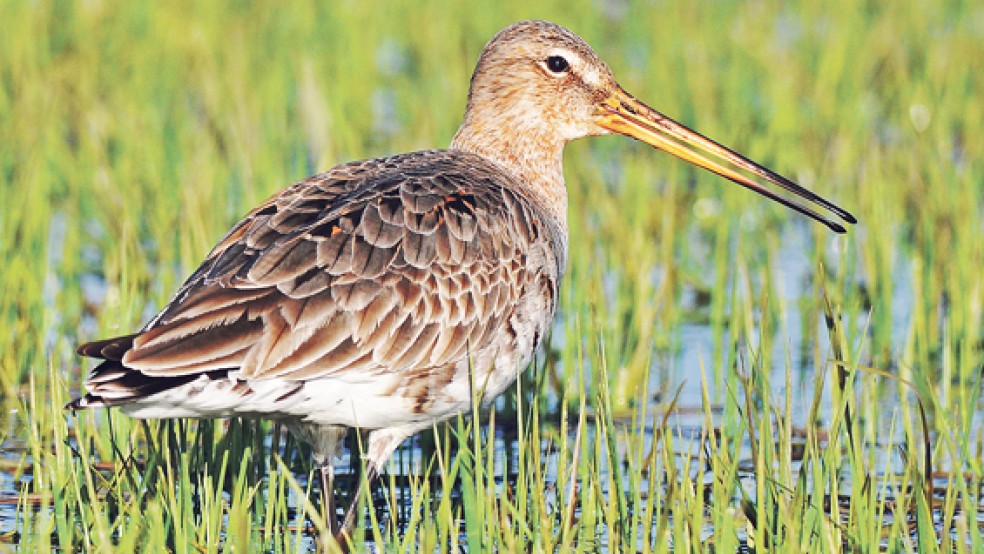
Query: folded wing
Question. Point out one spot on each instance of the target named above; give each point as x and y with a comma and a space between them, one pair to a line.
387, 265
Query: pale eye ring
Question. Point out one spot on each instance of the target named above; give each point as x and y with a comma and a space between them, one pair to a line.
558, 64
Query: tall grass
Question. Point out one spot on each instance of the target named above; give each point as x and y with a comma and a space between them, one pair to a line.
132, 135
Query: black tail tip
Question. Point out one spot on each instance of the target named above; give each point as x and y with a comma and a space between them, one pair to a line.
80, 403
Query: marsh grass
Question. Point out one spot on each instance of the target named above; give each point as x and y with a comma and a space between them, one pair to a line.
832, 403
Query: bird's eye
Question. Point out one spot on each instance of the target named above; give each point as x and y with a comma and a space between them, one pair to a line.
558, 64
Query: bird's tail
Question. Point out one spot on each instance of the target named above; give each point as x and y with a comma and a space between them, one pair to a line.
111, 383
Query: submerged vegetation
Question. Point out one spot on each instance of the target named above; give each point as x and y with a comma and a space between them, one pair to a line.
722, 372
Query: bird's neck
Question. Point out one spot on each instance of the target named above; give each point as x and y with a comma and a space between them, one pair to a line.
535, 159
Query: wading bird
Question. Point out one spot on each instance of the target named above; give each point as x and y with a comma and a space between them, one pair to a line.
384, 294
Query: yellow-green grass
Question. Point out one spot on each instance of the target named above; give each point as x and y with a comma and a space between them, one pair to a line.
132, 135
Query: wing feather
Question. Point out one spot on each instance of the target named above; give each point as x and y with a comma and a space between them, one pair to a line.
391, 265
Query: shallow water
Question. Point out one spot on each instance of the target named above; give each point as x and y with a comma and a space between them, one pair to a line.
677, 369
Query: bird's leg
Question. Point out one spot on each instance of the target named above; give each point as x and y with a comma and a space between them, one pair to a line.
328, 496
364, 487
325, 441
380, 446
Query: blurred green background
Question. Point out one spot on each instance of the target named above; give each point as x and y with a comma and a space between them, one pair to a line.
133, 135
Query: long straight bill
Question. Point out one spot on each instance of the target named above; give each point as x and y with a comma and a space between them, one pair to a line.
625, 115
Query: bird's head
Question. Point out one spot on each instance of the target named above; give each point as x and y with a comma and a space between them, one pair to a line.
538, 86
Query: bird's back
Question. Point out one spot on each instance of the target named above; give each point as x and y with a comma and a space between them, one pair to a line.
379, 281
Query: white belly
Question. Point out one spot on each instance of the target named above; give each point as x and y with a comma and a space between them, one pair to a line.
366, 401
